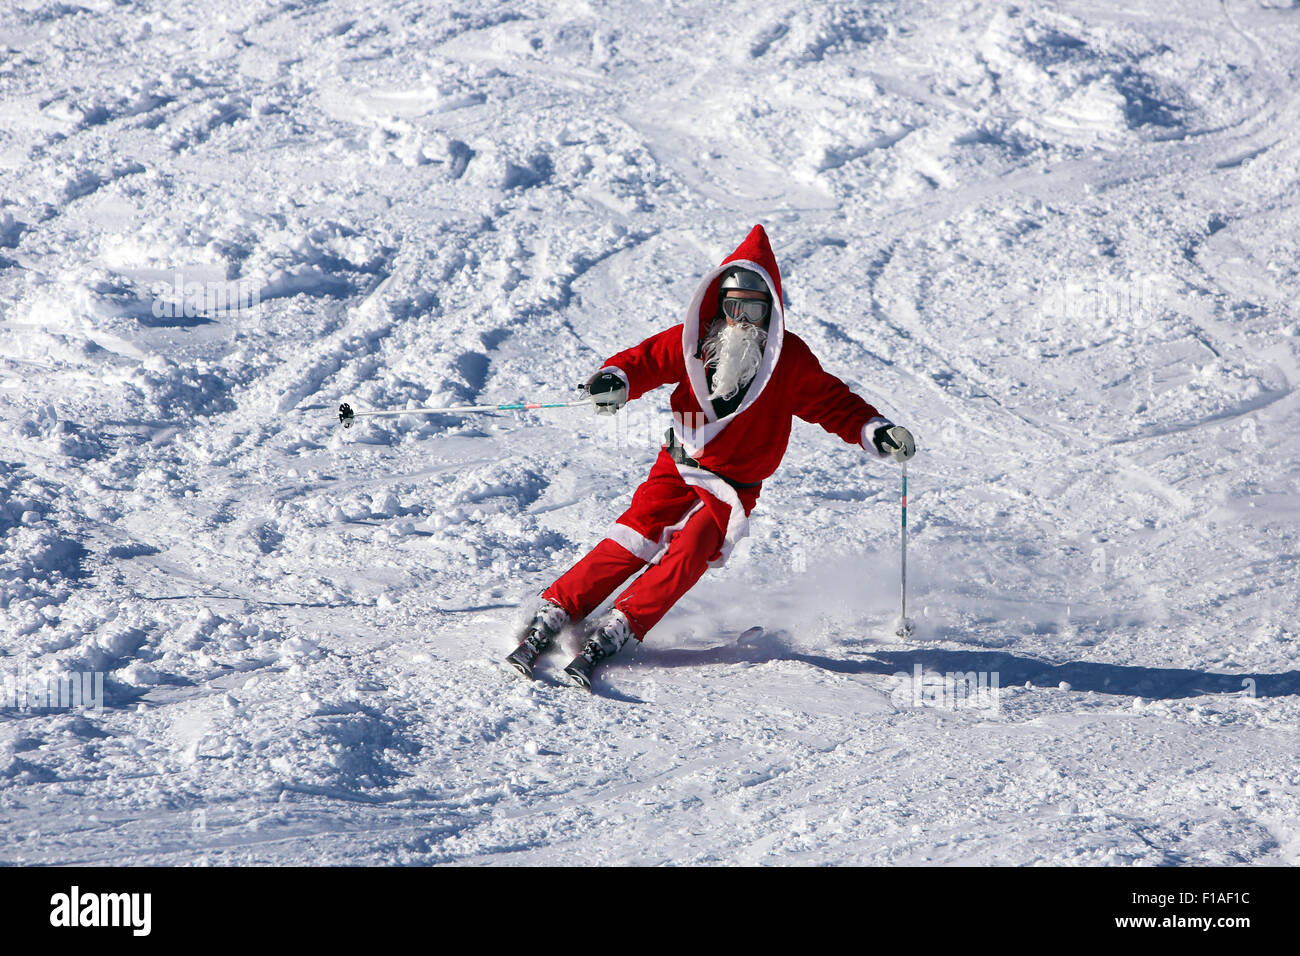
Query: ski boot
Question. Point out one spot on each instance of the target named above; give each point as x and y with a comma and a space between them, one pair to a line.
605, 641
547, 622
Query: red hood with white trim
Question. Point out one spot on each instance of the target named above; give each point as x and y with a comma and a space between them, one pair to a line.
755, 253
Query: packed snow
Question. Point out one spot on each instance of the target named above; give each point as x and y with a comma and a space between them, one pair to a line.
1059, 242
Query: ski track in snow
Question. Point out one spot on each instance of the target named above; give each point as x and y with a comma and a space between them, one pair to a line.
1058, 242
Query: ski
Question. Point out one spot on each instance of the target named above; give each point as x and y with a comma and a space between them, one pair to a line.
523, 659
523, 662
579, 671
538, 637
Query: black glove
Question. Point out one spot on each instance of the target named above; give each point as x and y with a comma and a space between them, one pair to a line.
894, 440
607, 391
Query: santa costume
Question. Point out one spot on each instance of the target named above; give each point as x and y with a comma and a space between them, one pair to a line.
694, 506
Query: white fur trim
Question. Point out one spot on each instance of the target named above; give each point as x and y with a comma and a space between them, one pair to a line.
644, 548
737, 524
637, 544
695, 435
869, 429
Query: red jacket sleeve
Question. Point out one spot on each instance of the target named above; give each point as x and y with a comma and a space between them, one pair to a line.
824, 400
656, 361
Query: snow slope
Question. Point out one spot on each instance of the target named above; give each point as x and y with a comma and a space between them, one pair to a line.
1060, 242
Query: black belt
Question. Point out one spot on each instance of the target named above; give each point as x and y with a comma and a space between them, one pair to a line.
678, 453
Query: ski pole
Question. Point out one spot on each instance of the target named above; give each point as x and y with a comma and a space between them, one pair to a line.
904, 625
347, 415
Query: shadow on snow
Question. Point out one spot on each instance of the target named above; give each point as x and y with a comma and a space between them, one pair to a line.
1160, 683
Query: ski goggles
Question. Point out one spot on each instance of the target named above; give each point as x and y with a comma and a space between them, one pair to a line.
746, 310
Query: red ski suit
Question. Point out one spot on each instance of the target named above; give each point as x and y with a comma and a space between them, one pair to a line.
686, 518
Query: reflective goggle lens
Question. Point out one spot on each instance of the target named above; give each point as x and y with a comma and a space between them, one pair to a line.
746, 310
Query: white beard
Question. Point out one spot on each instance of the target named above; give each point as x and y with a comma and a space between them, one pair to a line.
735, 353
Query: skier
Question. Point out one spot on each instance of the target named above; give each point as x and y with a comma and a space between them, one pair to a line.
740, 378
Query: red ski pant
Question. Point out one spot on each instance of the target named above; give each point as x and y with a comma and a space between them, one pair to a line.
661, 502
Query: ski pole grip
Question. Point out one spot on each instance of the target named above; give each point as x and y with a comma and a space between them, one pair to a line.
346, 415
